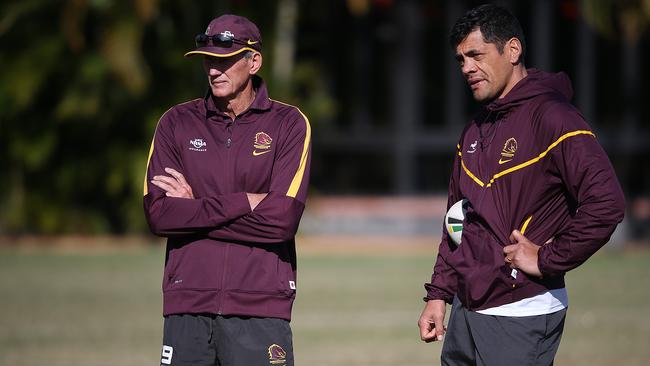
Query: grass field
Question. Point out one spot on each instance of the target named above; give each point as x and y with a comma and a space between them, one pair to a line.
354, 307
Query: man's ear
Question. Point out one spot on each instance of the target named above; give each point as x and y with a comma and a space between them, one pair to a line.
513, 49
256, 63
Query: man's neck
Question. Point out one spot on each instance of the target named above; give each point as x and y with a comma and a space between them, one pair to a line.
518, 73
237, 105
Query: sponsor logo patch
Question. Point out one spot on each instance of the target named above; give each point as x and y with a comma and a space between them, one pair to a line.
472, 147
198, 145
277, 355
228, 34
508, 151
262, 144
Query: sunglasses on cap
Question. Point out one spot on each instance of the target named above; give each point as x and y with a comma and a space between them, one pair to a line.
224, 40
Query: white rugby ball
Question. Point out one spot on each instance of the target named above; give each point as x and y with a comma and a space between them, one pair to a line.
454, 220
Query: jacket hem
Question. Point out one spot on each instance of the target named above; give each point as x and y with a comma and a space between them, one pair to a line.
508, 296
236, 303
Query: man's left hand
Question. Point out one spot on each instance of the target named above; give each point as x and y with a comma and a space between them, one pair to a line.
522, 254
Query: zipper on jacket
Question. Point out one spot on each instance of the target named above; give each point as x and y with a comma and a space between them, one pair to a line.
486, 159
229, 134
228, 169
229, 163
229, 128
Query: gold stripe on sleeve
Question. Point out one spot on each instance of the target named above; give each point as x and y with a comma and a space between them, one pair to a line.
297, 178
145, 189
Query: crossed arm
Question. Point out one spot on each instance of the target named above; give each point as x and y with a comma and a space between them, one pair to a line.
175, 185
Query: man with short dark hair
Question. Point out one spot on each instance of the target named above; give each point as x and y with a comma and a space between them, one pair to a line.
226, 183
542, 198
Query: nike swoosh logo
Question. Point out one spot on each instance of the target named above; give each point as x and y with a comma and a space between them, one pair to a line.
258, 153
501, 161
250, 43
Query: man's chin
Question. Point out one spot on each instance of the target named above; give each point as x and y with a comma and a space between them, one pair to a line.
220, 93
482, 98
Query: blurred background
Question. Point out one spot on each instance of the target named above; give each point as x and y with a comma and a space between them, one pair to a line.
84, 82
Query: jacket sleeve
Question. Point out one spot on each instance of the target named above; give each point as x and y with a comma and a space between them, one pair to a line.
276, 218
590, 180
170, 216
443, 283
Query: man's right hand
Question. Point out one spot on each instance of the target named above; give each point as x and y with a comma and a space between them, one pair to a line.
254, 199
431, 321
174, 186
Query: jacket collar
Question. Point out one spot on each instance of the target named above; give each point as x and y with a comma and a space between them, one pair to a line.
260, 103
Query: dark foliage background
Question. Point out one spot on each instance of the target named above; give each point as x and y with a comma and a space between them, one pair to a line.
83, 83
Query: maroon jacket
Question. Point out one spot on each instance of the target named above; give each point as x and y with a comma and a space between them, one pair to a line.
222, 258
530, 162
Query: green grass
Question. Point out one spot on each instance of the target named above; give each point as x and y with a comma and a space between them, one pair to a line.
104, 309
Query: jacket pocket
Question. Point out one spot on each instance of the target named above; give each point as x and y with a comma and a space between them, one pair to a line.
259, 269
197, 265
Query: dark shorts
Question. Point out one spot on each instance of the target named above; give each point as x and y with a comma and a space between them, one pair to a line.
199, 340
487, 340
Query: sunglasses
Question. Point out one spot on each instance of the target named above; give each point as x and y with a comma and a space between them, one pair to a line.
217, 40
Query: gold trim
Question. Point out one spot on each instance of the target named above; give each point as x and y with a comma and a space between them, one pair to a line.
525, 225
524, 164
146, 188
540, 156
478, 181
297, 178
192, 53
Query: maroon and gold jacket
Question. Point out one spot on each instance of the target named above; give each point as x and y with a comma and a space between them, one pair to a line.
529, 162
223, 258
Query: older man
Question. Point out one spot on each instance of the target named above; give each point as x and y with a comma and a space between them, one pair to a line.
226, 184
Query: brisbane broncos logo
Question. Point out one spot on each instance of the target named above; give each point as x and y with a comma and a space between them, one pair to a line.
277, 355
508, 152
262, 143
